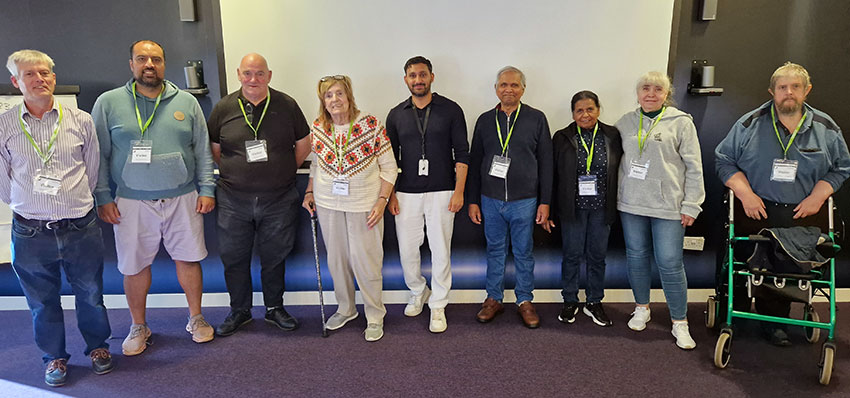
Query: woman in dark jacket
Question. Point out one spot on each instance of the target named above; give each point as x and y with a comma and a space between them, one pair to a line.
587, 157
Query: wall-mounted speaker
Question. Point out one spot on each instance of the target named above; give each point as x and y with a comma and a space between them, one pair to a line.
187, 10
708, 10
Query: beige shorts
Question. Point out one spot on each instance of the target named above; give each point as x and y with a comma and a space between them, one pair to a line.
146, 223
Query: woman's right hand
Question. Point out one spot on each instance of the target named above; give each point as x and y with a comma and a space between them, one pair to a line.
309, 203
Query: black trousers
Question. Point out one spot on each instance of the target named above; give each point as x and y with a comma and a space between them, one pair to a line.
270, 222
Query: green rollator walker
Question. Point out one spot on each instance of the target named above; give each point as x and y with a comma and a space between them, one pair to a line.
800, 287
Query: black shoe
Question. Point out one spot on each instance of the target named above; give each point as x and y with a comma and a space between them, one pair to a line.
101, 361
568, 313
234, 320
778, 337
597, 313
279, 317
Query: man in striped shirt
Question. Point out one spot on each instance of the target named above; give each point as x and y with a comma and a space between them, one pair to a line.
49, 158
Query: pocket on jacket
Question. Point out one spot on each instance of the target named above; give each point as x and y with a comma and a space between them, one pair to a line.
644, 193
164, 172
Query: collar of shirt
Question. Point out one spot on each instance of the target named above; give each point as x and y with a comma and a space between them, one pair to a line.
55, 108
436, 99
807, 124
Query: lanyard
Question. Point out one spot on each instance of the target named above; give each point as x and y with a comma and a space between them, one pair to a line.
785, 148
592, 145
43, 155
265, 108
144, 127
339, 153
510, 131
642, 137
422, 125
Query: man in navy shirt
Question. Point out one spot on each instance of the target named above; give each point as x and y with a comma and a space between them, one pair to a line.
428, 135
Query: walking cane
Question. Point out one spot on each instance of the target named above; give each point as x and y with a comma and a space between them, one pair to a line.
318, 273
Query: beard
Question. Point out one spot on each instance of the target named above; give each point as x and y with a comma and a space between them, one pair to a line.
425, 90
789, 106
150, 82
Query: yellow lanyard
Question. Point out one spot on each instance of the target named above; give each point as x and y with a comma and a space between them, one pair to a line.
793, 135
144, 127
592, 145
43, 155
642, 137
245, 115
340, 154
510, 131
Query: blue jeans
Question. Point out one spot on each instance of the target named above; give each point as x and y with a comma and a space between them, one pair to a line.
37, 255
648, 236
584, 238
504, 223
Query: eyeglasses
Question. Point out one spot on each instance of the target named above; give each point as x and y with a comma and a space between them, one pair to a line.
333, 77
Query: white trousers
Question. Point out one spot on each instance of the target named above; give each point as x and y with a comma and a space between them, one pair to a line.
421, 213
355, 251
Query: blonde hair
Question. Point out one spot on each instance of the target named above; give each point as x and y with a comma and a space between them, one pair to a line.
27, 57
325, 84
789, 69
655, 78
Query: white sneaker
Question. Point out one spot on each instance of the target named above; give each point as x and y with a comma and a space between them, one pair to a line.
438, 320
137, 340
201, 331
338, 320
374, 331
416, 303
683, 336
639, 318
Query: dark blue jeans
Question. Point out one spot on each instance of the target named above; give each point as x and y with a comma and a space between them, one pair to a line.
38, 253
512, 222
271, 221
585, 238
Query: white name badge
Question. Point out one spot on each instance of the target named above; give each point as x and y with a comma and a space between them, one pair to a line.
340, 187
784, 170
423, 167
587, 185
499, 167
638, 170
46, 184
255, 151
141, 151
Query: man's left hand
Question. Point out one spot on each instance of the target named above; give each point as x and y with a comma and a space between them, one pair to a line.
205, 204
687, 220
456, 202
809, 206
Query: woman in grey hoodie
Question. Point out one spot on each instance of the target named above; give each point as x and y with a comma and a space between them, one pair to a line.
660, 193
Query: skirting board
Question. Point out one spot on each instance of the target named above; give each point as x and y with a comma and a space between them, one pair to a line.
176, 300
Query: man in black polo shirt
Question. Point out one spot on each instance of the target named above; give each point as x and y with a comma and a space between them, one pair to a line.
510, 185
428, 136
259, 139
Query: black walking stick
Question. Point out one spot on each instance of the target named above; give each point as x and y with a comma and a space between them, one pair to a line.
318, 273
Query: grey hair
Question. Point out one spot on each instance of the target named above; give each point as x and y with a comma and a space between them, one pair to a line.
660, 79
27, 57
510, 69
790, 69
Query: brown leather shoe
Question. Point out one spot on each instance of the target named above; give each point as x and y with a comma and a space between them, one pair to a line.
489, 310
529, 315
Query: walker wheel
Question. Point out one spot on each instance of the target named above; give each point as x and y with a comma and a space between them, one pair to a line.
828, 355
722, 351
812, 334
710, 312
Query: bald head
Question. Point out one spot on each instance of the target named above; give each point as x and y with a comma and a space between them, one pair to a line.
254, 74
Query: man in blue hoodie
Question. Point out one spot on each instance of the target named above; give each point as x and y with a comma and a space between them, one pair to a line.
155, 148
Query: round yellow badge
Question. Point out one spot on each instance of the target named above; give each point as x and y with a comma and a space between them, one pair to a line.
179, 115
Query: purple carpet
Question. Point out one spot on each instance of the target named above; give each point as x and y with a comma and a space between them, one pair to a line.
501, 358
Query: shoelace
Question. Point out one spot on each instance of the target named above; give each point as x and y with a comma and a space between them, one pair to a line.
198, 323
136, 331
56, 364
100, 353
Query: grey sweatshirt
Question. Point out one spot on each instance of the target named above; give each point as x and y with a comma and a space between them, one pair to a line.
674, 181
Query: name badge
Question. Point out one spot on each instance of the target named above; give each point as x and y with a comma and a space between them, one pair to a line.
255, 151
46, 184
499, 167
141, 151
784, 170
340, 187
423, 167
638, 170
587, 185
